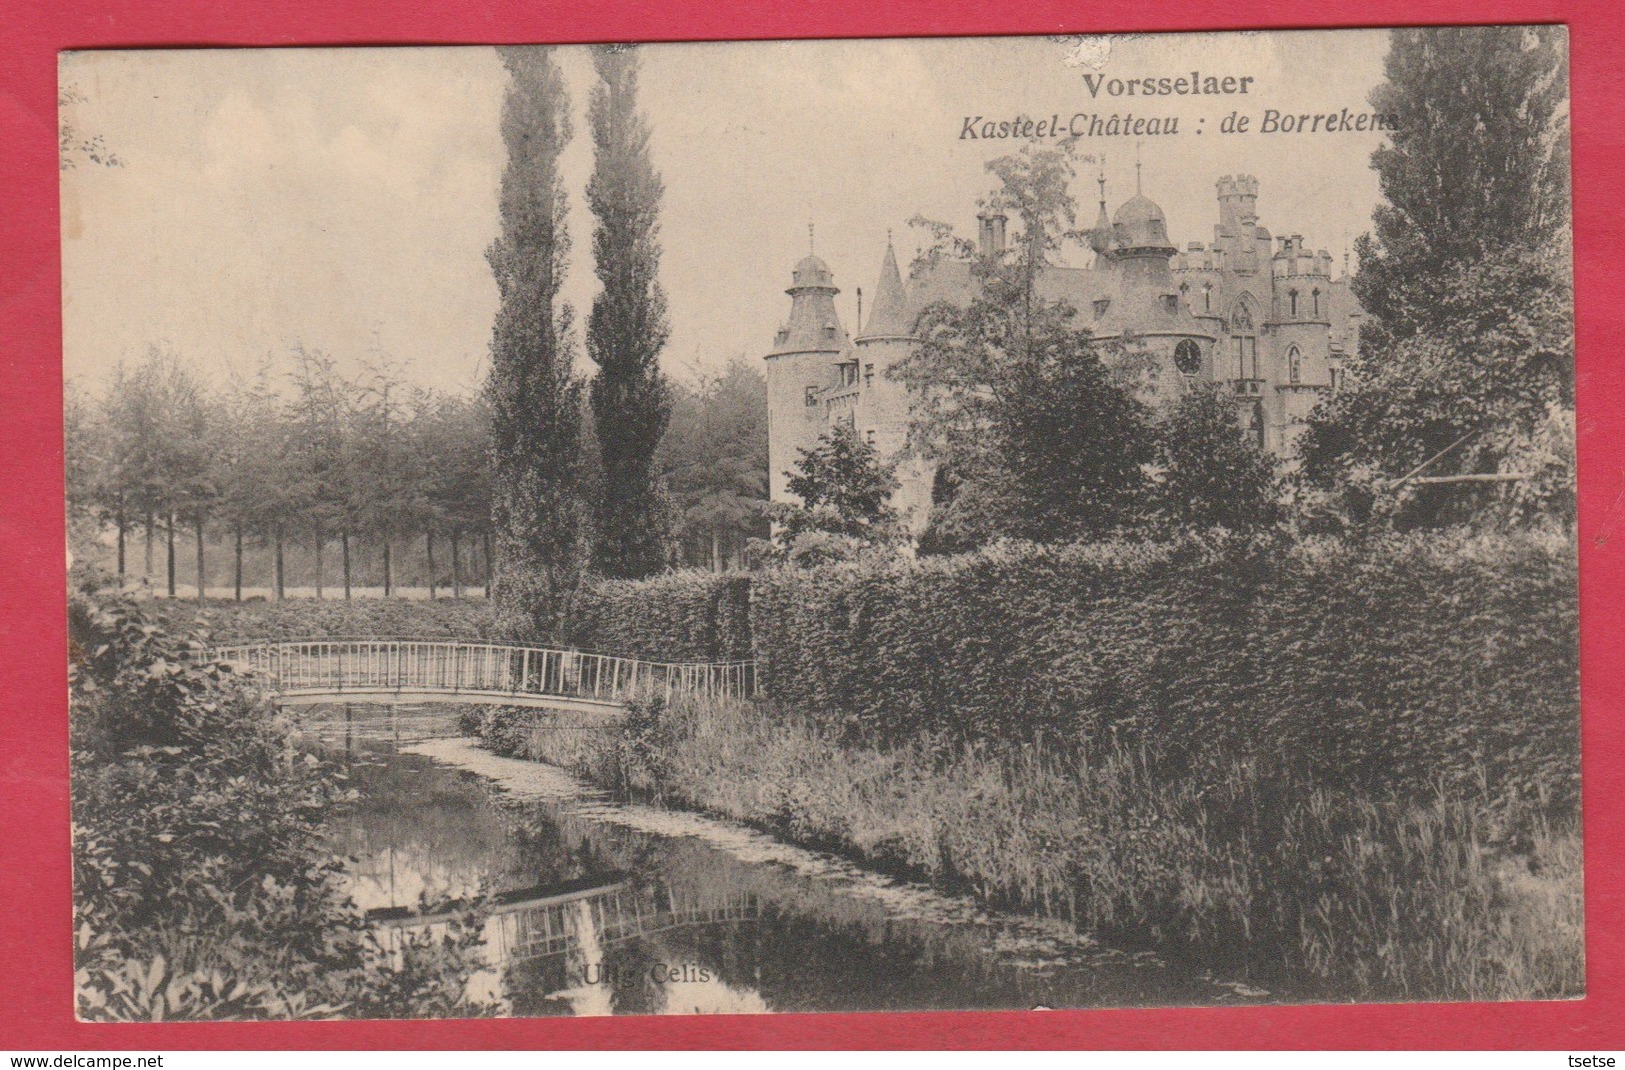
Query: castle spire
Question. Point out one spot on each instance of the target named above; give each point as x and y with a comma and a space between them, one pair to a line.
891, 316
1100, 238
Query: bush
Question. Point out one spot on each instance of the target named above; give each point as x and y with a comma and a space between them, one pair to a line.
204, 883
682, 616
1400, 660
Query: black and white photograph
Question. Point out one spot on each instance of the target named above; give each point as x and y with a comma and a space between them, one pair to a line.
821, 526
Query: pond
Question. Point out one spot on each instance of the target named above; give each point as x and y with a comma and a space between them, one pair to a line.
604, 907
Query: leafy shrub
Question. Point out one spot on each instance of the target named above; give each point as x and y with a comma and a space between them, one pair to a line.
204, 882
682, 616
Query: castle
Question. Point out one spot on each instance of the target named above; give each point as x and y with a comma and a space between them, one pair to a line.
1270, 324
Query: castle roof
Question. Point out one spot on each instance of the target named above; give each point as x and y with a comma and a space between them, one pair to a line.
1140, 224
814, 326
812, 271
892, 317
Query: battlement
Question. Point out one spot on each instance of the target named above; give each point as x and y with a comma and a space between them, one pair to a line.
1237, 186
1199, 258
1293, 258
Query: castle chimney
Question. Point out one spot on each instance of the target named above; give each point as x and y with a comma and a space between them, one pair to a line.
990, 233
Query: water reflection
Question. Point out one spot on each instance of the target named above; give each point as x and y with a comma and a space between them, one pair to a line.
591, 912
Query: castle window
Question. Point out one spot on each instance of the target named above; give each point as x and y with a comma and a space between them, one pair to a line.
1292, 303
1246, 353
868, 375
1314, 297
1101, 306
1188, 357
1207, 297
812, 395
1244, 344
1170, 303
869, 436
1294, 366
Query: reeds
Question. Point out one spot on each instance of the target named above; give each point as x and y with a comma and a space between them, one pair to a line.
1229, 863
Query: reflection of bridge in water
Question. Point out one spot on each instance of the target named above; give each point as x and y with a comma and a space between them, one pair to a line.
439, 670
555, 919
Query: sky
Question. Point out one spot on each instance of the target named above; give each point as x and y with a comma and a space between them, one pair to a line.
343, 199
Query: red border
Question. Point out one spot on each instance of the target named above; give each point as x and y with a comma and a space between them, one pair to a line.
35, 1011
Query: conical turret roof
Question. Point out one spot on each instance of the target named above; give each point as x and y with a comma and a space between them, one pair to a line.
891, 316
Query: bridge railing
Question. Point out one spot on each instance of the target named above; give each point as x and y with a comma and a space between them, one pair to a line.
372, 666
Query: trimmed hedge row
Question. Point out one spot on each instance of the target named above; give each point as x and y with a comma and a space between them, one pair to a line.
1399, 661
683, 616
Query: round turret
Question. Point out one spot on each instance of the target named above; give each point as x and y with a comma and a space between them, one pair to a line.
1140, 224
811, 273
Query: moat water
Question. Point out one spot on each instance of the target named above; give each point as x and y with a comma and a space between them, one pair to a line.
602, 907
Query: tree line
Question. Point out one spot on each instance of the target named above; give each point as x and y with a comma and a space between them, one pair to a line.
304, 476
299, 454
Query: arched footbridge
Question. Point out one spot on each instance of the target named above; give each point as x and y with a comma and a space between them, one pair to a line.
304, 672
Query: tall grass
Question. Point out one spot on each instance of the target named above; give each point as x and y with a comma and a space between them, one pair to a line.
1231, 863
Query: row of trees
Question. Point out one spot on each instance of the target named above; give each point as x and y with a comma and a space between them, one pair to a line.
300, 453
1460, 405
393, 479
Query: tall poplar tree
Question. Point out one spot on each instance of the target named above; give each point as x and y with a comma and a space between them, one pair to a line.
627, 327
1465, 362
535, 395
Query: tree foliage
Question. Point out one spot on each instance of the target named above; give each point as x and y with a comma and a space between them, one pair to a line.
1213, 475
627, 327
844, 501
1466, 361
714, 461
535, 395
299, 449
1034, 423
1477, 164
205, 885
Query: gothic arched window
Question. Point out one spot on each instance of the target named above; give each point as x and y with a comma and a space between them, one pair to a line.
1314, 296
1243, 342
1188, 357
1294, 365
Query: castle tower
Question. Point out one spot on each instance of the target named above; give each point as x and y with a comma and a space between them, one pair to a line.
800, 367
1300, 317
1237, 236
883, 403
1238, 201
1145, 300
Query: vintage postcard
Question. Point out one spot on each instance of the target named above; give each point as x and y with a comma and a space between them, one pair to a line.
868, 525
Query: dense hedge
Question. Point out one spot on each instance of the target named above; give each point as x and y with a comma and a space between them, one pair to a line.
683, 616
1402, 660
